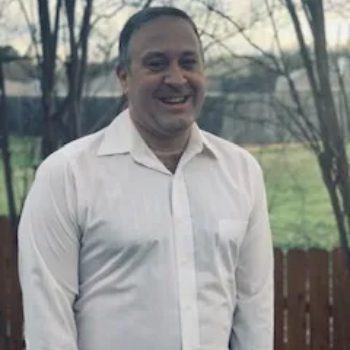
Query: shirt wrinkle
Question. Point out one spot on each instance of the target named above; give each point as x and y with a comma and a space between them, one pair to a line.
161, 260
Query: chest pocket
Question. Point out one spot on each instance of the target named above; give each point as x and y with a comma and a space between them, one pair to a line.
232, 230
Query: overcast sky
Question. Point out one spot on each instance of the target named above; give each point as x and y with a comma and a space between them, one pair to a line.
14, 31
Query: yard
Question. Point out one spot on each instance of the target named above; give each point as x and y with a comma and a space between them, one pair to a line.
300, 212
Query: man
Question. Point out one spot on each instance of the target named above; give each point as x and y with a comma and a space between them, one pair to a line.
149, 234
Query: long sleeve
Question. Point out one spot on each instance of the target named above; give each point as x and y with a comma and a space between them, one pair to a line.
48, 258
253, 317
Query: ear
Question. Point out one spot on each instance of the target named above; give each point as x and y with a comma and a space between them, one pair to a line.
122, 74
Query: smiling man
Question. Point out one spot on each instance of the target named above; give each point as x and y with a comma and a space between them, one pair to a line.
150, 234
162, 75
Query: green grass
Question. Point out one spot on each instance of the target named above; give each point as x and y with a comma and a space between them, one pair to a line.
299, 207
300, 211
22, 162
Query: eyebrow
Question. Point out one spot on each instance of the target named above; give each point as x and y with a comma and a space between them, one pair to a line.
190, 53
162, 54
152, 54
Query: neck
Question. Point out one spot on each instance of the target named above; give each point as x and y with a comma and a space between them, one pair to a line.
168, 144
168, 149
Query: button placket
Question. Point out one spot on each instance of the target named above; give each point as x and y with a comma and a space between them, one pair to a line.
183, 238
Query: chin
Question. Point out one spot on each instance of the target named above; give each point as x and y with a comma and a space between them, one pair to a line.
177, 123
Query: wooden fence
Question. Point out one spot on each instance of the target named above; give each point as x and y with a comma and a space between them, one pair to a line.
10, 296
312, 298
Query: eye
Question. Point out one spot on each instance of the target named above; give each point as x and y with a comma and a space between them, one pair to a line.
156, 64
189, 63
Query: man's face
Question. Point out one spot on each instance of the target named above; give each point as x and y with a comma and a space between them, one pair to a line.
165, 82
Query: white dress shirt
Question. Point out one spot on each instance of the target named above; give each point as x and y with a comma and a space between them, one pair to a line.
118, 253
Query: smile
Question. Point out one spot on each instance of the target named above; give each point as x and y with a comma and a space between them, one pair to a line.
174, 100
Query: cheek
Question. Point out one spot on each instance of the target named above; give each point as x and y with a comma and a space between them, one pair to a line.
141, 97
201, 88
144, 89
203, 83
138, 92
200, 83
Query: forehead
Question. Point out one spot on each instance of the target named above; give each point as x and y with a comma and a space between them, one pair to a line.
166, 34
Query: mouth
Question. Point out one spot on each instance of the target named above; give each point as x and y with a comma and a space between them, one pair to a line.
174, 100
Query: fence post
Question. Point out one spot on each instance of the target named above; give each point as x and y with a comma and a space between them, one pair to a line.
279, 299
341, 301
2, 289
296, 299
318, 261
10, 296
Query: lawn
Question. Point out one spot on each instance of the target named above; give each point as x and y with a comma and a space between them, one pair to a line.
22, 152
300, 212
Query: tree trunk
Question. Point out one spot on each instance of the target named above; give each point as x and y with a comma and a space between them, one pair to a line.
76, 66
49, 39
332, 159
4, 138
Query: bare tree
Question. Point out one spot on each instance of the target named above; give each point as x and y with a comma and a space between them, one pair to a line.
324, 135
49, 40
61, 123
6, 56
70, 19
331, 146
62, 120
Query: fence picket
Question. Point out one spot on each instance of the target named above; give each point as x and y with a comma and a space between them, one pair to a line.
296, 299
341, 283
15, 315
279, 299
2, 287
319, 299
6, 261
10, 306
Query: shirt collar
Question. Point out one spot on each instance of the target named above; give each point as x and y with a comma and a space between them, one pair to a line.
117, 138
200, 142
121, 136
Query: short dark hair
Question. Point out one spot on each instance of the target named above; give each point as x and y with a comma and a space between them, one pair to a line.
136, 21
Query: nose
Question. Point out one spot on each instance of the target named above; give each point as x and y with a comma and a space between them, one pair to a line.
175, 75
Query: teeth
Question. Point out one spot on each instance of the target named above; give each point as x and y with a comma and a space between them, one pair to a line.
174, 100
